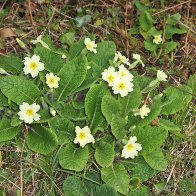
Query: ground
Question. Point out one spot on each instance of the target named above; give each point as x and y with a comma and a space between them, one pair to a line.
109, 20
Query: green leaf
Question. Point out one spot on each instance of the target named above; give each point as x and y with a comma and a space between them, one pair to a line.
160, 187
142, 191
3, 100
118, 126
170, 46
72, 75
145, 20
153, 31
93, 104
41, 139
149, 45
104, 154
53, 62
18, 89
134, 183
109, 106
156, 160
117, 177
172, 30
68, 111
168, 125
73, 158
92, 182
11, 64
8, 132
105, 52
68, 38
76, 49
176, 99
150, 137
72, 186
105, 190
131, 101
141, 169
155, 109
173, 19
63, 128
83, 20
192, 83
141, 7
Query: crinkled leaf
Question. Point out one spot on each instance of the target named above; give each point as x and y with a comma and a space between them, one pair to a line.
141, 191
156, 160
41, 139
176, 99
105, 190
131, 101
168, 125
76, 49
155, 109
104, 154
92, 182
150, 137
145, 20
73, 158
141, 7
105, 52
149, 45
72, 186
116, 176
8, 132
170, 46
141, 169
63, 128
93, 105
118, 126
68, 38
109, 106
3, 100
173, 19
71, 76
11, 64
53, 62
172, 30
18, 89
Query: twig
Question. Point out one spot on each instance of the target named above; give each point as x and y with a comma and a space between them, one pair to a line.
3, 5
31, 18
169, 8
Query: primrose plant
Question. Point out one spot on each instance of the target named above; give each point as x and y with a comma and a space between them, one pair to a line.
88, 106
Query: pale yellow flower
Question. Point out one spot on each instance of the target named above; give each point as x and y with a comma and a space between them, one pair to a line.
28, 113
83, 136
131, 149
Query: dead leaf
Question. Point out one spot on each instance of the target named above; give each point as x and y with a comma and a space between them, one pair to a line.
7, 32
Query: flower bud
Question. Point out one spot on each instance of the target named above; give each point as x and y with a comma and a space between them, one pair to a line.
21, 43
52, 112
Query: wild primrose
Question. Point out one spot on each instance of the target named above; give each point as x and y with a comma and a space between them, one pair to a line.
90, 109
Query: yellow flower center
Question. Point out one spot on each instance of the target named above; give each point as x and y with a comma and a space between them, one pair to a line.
110, 78
90, 45
29, 112
122, 58
121, 86
122, 73
82, 135
51, 80
33, 66
129, 147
